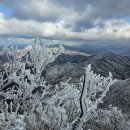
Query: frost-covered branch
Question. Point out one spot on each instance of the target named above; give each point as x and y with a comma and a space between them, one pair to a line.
94, 90
42, 56
33, 104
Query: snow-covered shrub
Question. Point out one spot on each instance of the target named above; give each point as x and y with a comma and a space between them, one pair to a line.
111, 118
27, 102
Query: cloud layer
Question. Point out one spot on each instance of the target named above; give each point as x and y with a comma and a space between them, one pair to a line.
66, 20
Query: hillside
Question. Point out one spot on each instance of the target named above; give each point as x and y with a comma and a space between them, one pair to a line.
119, 96
102, 64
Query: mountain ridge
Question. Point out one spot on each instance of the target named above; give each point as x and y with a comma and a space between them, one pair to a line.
102, 64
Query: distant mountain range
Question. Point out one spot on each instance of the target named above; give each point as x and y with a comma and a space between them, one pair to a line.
91, 48
117, 48
77, 60
73, 66
19, 46
71, 50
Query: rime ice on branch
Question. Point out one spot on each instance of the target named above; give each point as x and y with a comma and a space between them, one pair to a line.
93, 91
59, 107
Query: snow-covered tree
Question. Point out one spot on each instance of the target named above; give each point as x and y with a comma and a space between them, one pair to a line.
94, 90
112, 117
29, 103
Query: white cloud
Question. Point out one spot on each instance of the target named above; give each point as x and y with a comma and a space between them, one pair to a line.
111, 29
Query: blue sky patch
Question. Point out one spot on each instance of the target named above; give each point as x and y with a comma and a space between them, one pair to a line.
5, 11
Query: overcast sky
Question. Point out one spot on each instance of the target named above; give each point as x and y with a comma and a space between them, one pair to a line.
65, 20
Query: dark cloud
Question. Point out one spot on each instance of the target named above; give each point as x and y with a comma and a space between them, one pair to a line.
109, 9
75, 4
81, 25
101, 8
34, 9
